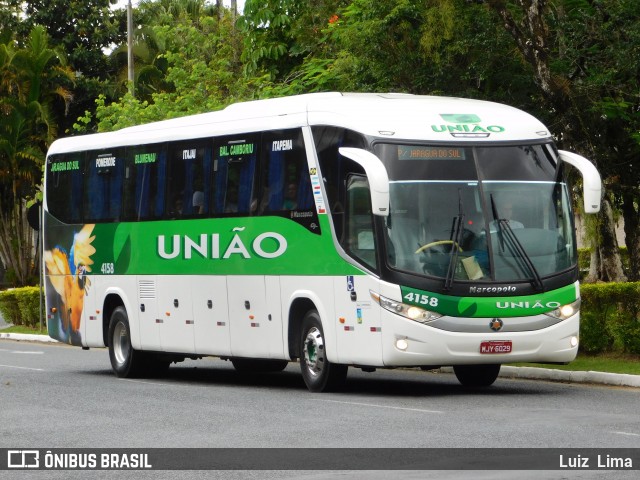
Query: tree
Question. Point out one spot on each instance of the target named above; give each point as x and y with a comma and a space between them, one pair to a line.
280, 34
577, 50
85, 30
32, 78
202, 73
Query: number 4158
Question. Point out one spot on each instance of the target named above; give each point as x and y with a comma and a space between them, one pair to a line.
421, 299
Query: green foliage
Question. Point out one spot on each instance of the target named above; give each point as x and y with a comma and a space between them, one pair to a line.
83, 30
33, 78
584, 259
21, 306
610, 318
201, 73
9, 307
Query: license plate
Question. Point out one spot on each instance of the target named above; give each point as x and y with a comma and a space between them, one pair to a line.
496, 346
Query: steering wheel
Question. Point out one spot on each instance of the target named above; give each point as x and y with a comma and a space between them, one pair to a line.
435, 244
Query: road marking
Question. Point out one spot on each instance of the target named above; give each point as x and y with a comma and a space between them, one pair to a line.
31, 352
383, 406
24, 368
628, 433
148, 383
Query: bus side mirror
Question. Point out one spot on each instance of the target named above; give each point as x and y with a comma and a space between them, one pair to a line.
376, 175
591, 183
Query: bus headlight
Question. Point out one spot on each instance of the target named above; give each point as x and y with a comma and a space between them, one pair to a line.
411, 312
565, 311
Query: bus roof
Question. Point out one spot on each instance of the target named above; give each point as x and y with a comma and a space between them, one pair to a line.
388, 115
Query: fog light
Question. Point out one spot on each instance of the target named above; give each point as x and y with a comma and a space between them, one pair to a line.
574, 341
402, 344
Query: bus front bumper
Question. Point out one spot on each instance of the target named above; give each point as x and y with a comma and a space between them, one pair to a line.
408, 343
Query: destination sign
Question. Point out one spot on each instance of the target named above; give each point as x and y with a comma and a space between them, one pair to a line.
413, 152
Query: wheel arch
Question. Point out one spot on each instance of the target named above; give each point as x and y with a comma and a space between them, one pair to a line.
301, 302
112, 300
299, 307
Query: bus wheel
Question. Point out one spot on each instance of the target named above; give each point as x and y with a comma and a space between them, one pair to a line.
125, 361
256, 365
318, 373
476, 375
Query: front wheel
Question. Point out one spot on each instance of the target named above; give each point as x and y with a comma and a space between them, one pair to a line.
125, 361
476, 375
319, 374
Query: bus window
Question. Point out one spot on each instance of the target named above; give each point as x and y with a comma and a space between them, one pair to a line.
103, 186
335, 168
286, 180
64, 192
144, 182
360, 238
234, 171
189, 182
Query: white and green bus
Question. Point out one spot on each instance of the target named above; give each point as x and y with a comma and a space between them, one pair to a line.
363, 230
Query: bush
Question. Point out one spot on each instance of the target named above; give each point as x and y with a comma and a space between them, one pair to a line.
610, 317
9, 307
20, 306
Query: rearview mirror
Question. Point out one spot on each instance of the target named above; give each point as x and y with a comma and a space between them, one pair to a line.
376, 175
591, 182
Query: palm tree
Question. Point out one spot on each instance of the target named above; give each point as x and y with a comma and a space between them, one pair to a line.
33, 78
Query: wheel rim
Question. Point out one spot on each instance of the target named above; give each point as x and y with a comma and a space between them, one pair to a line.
314, 352
121, 345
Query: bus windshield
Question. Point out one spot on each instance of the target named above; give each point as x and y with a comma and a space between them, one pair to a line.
481, 214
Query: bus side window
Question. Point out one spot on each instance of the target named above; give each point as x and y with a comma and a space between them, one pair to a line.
360, 231
287, 184
104, 186
234, 170
144, 182
65, 187
189, 179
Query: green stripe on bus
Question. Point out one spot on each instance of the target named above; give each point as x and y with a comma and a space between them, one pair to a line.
487, 307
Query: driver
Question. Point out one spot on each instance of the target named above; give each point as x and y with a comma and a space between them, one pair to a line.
505, 211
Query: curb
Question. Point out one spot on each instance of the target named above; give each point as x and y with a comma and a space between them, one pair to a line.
602, 378
529, 373
27, 337
567, 376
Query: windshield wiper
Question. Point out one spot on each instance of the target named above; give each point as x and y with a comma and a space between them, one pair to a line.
505, 232
457, 227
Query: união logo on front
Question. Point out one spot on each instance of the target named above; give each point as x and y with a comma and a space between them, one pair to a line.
465, 123
210, 245
536, 304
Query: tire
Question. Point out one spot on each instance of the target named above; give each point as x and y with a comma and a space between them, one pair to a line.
125, 361
476, 375
255, 365
319, 374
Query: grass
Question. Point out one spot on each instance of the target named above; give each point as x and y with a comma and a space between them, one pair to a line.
23, 329
606, 362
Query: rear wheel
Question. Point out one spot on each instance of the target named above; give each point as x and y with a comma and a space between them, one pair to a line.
319, 374
125, 361
476, 375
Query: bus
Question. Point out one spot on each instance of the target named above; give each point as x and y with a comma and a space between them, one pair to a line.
334, 229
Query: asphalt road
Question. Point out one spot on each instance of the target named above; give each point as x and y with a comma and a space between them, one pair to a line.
55, 396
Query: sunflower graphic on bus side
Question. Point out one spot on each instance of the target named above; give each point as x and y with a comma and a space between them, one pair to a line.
67, 272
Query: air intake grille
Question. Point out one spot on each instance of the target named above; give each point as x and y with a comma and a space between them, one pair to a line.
147, 289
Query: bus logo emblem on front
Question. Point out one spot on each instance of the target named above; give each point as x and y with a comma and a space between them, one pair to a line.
496, 324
